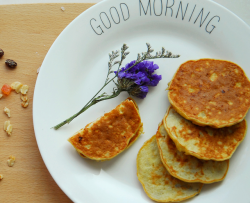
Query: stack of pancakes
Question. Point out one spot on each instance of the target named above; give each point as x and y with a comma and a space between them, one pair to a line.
199, 133
111, 134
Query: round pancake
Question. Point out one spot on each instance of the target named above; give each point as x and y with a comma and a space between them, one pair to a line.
203, 142
185, 167
109, 135
158, 184
210, 92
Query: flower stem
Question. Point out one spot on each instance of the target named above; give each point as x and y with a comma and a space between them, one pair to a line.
141, 57
94, 100
88, 105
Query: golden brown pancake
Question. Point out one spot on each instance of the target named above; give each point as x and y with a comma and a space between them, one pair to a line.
203, 142
158, 184
185, 167
109, 135
131, 141
135, 137
210, 92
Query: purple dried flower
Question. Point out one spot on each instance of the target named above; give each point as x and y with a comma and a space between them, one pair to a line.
155, 80
137, 79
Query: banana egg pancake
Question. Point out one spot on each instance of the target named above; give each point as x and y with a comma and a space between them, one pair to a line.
210, 92
185, 167
158, 184
131, 141
203, 142
109, 135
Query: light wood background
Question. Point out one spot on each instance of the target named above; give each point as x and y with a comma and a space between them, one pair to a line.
26, 33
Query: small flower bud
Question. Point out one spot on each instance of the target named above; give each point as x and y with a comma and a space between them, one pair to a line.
163, 50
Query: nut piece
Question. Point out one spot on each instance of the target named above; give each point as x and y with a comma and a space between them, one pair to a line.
10, 63
24, 98
24, 89
11, 161
8, 127
9, 130
1, 177
1, 52
25, 103
7, 111
16, 86
6, 124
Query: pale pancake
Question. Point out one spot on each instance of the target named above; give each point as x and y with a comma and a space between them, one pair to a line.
131, 141
185, 167
158, 184
203, 142
210, 92
109, 135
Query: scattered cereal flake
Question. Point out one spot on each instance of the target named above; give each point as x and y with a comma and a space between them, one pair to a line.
6, 111
11, 161
25, 103
62, 8
1, 176
24, 89
1, 96
6, 124
8, 127
9, 130
24, 97
16, 86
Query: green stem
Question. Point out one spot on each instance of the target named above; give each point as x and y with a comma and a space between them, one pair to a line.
93, 102
95, 99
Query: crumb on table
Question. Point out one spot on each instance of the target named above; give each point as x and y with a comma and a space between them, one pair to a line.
6, 111
7, 127
11, 161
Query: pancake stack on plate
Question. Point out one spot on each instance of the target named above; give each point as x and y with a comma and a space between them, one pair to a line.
200, 131
156, 180
111, 134
210, 92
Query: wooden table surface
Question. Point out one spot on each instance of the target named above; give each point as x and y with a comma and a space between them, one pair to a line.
26, 33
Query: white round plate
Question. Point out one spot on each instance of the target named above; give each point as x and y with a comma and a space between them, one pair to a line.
75, 68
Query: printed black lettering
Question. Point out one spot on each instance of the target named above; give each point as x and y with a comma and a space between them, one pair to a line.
213, 26
112, 15
107, 18
98, 27
180, 6
124, 18
161, 9
141, 6
192, 13
201, 14
170, 7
